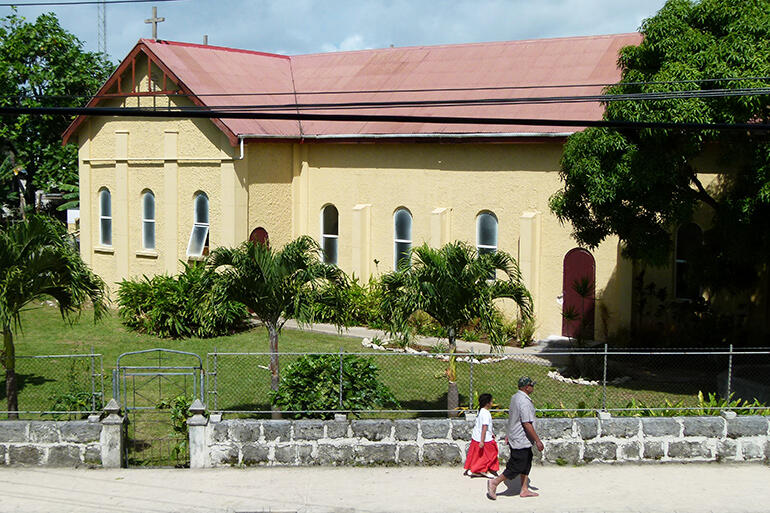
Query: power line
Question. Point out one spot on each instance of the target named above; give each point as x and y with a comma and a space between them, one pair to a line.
389, 118
704, 92
676, 95
467, 102
82, 2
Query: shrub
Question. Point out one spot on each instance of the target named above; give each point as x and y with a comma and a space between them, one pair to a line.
192, 304
312, 383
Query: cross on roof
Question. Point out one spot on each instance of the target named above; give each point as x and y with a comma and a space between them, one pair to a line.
155, 20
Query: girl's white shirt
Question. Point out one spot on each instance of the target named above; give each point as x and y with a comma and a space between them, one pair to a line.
483, 418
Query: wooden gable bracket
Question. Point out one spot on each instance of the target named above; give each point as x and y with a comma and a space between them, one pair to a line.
127, 69
119, 80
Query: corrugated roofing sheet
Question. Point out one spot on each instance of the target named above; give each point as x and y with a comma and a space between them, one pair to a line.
479, 70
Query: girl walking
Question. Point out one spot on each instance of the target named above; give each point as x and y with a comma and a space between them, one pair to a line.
482, 453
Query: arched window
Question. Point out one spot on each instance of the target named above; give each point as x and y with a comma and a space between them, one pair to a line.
199, 236
148, 220
329, 233
402, 237
105, 217
689, 241
486, 235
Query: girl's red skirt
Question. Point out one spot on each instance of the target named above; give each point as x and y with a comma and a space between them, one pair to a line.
482, 459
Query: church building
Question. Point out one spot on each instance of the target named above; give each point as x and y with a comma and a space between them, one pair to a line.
159, 191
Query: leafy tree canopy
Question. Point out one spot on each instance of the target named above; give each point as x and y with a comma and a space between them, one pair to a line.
42, 65
641, 184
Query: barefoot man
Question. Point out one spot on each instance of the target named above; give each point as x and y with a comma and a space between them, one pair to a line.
521, 434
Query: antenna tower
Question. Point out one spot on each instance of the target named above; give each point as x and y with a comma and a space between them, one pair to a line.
101, 25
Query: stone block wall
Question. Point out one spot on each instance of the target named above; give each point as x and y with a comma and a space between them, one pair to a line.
445, 441
50, 443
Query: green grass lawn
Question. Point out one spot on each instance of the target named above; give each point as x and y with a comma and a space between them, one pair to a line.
242, 382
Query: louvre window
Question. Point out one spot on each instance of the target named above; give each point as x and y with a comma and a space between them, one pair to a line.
199, 236
402, 238
105, 218
148, 220
486, 235
689, 241
329, 233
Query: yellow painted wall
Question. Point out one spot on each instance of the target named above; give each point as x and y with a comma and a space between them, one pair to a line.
283, 186
507, 179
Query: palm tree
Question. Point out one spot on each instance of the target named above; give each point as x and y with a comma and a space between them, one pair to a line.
38, 260
278, 285
452, 285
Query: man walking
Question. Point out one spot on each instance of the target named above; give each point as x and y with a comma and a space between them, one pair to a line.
520, 436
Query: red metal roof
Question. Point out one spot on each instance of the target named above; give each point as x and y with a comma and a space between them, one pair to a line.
409, 74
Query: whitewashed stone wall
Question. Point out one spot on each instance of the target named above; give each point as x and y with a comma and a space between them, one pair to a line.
50, 443
445, 441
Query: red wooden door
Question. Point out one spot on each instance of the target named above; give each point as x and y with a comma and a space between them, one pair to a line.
578, 290
259, 235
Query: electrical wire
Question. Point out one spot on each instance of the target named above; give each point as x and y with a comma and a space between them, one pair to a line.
390, 118
452, 89
82, 2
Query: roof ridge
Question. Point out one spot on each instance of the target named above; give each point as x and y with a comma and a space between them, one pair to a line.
210, 47
479, 43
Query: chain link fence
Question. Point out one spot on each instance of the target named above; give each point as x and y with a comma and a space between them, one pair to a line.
569, 382
57, 386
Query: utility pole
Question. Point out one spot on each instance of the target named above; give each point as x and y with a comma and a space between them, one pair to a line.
154, 21
101, 26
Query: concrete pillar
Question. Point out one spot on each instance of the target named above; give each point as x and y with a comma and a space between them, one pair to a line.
440, 226
361, 240
300, 190
86, 210
234, 205
529, 254
196, 428
111, 439
120, 201
170, 201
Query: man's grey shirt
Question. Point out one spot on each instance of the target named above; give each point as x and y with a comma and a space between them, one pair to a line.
522, 409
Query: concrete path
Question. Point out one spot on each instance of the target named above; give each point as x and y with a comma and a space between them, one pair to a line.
680, 488
477, 347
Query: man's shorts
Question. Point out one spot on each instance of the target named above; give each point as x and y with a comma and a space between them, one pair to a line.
520, 462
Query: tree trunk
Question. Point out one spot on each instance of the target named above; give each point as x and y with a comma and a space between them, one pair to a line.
275, 377
452, 397
10, 374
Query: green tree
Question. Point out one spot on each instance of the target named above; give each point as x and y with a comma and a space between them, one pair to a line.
452, 285
42, 65
38, 260
642, 184
278, 285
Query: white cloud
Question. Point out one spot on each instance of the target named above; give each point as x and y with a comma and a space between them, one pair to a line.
310, 26
352, 42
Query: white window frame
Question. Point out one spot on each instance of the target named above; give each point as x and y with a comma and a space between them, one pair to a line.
325, 236
396, 240
205, 226
103, 217
146, 220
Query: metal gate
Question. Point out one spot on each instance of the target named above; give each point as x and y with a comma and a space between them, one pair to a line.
155, 387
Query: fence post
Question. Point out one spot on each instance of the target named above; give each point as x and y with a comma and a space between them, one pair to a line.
111, 439
340, 385
216, 382
197, 435
93, 378
470, 384
604, 380
115, 385
729, 375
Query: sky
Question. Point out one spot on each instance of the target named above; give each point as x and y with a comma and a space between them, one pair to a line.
293, 27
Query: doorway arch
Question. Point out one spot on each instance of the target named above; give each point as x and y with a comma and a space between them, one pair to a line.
259, 235
579, 294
